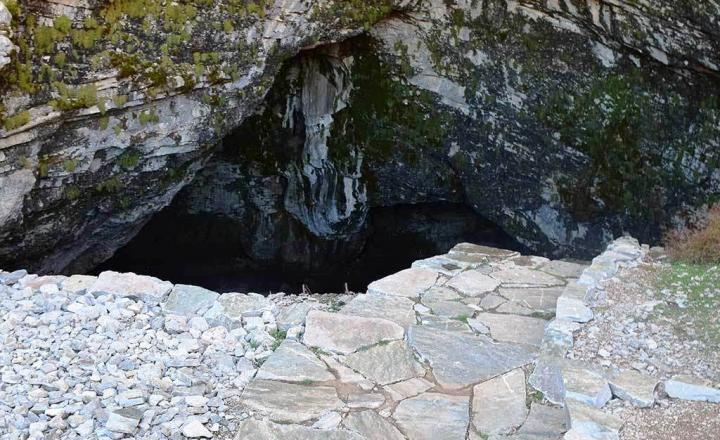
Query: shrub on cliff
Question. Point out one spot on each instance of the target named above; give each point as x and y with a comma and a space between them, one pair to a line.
699, 243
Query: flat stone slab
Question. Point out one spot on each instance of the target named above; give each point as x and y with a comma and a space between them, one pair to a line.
444, 323
462, 359
449, 309
548, 379
634, 387
499, 404
124, 420
473, 283
441, 264
189, 300
538, 298
149, 289
585, 385
408, 388
393, 308
293, 362
290, 403
293, 315
491, 301
486, 251
372, 426
433, 416
78, 284
340, 333
573, 309
347, 375
514, 328
559, 337
440, 293
523, 277
230, 308
543, 422
564, 269
529, 261
365, 400
592, 420
252, 429
409, 283
386, 363
691, 388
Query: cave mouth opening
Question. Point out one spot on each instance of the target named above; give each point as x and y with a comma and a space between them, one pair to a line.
298, 198
208, 251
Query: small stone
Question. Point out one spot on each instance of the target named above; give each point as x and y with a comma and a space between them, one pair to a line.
691, 388
586, 385
634, 387
188, 300
195, 429
125, 420
175, 324
572, 309
196, 400
86, 428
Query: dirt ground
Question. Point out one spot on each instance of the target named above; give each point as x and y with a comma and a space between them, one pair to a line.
661, 319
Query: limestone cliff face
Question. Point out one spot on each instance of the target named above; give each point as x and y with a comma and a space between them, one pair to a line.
109, 108
564, 121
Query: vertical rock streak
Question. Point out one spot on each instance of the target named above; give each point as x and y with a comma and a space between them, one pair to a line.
326, 196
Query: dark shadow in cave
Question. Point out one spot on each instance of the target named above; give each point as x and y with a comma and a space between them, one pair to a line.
253, 220
188, 249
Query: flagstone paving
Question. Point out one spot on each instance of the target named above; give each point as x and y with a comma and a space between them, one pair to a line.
438, 351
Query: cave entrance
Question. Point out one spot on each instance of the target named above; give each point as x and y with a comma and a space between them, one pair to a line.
335, 182
208, 251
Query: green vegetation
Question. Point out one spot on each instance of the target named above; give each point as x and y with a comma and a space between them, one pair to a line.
147, 117
74, 98
354, 13
613, 121
694, 309
120, 100
462, 318
129, 160
144, 39
17, 120
110, 185
72, 192
388, 117
70, 165
279, 336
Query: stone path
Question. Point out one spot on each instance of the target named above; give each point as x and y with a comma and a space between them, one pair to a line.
467, 345
442, 350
